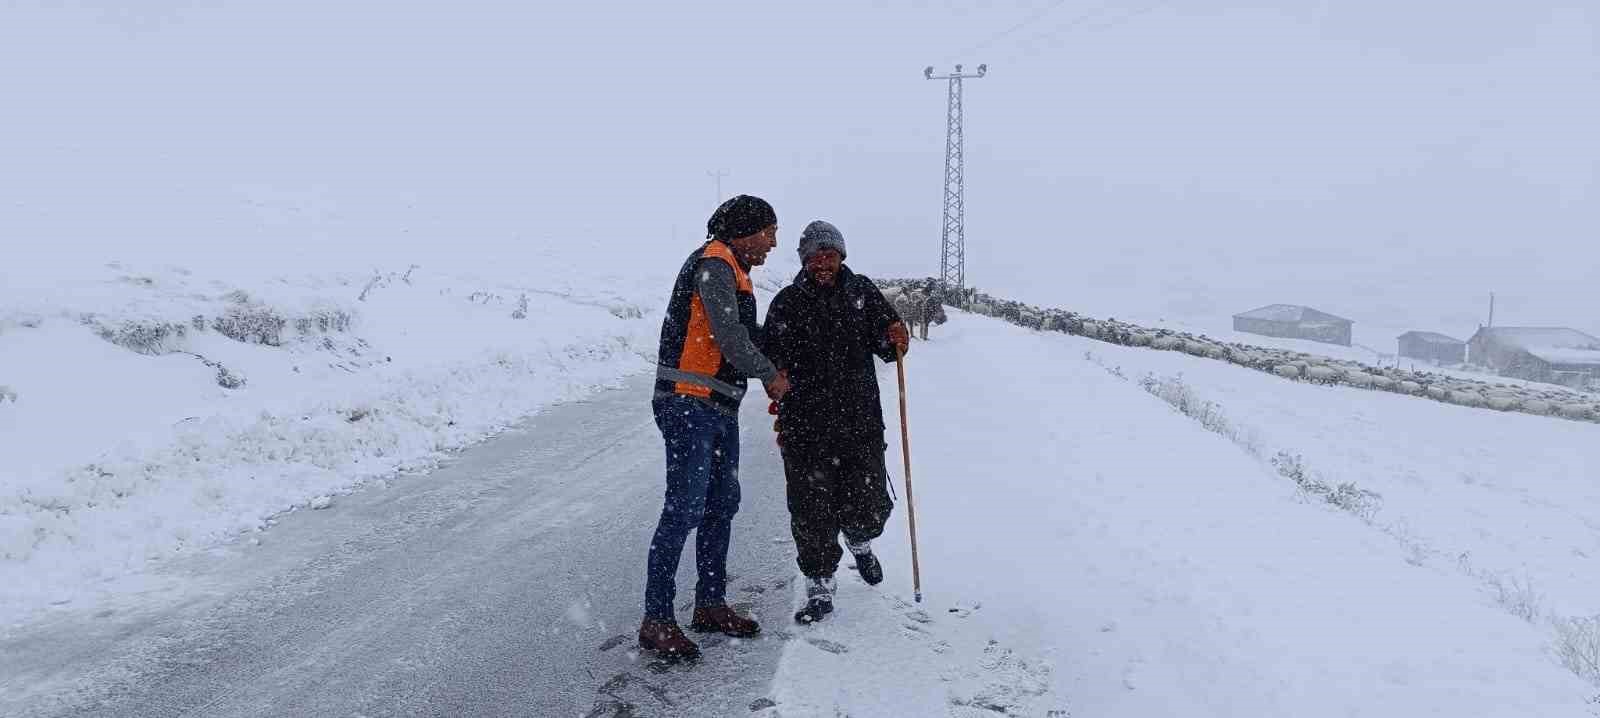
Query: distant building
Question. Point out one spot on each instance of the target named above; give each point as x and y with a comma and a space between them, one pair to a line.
1433, 347
1294, 322
1554, 355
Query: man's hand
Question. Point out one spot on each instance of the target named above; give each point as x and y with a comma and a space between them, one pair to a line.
899, 338
778, 386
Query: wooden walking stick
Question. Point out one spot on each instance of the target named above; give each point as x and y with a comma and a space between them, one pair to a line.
905, 450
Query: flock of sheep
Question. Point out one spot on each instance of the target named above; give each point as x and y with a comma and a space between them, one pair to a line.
1298, 366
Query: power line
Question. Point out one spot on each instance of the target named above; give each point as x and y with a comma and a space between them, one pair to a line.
1028, 21
992, 39
1087, 22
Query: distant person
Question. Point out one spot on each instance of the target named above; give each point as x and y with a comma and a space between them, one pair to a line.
823, 332
709, 347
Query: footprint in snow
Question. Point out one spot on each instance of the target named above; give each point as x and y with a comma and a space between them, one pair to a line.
827, 645
612, 709
622, 681
613, 642
617, 682
1010, 683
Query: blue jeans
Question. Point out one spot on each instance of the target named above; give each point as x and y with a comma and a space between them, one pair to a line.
702, 496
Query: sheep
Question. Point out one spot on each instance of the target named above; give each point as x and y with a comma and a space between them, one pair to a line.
1574, 411
917, 308
1322, 374
1501, 402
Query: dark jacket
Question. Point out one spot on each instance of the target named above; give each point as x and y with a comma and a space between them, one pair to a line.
826, 338
709, 338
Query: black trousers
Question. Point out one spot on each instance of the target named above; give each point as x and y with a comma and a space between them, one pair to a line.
833, 489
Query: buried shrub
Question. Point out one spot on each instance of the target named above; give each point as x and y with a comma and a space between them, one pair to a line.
1180, 396
1346, 495
251, 324
1578, 645
149, 338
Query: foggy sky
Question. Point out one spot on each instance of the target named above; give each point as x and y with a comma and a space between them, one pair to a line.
1390, 162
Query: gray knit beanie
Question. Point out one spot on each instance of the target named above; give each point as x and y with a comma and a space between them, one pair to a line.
820, 235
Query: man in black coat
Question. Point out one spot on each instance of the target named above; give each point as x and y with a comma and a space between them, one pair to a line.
823, 332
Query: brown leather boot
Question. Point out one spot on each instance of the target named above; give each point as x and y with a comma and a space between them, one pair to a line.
666, 639
723, 620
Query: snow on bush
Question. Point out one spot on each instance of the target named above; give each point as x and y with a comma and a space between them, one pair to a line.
1344, 495
1179, 395
1578, 645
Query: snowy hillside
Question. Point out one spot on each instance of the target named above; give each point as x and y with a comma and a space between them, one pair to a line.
1088, 549
148, 411
1116, 531
156, 411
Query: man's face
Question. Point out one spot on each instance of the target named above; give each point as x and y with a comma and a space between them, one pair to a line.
753, 249
823, 266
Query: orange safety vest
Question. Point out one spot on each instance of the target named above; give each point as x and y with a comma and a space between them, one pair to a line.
690, 361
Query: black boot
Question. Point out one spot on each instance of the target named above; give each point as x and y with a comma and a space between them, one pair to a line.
871, 571
819, 600
816, 609
866, 564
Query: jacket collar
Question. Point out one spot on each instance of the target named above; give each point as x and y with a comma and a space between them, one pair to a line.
731, 252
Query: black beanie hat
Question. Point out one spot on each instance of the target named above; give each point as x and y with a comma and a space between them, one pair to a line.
741, 216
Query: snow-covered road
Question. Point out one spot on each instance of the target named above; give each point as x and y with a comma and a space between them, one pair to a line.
506, 583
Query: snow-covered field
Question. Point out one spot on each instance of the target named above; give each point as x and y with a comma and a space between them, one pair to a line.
158, 410
1088, 549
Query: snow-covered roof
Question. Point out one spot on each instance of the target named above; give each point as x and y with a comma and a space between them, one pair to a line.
1559, 355
1530, 337
1291, 313
1432, 338
1557, 345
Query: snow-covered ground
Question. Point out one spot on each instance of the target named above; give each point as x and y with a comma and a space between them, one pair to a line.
1086, 549
159, 410
1089, 550
1509, 495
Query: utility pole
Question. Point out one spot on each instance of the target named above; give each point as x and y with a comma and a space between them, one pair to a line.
1491, 309
953, 236
717, 175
